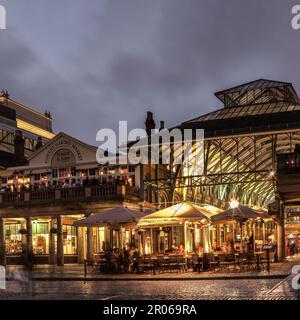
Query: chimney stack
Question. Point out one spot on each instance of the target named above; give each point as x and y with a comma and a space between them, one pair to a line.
162, 125
39, 143
150, 124
19, 143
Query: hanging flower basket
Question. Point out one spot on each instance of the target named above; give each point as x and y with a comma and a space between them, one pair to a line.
23, 231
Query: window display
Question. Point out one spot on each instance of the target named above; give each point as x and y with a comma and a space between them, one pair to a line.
70, 239
13, 238
40, 237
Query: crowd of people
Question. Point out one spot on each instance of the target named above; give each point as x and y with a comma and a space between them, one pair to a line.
121, 260
176, 250
61, 184
292, 247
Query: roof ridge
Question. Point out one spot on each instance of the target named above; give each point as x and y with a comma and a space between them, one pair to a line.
251, 82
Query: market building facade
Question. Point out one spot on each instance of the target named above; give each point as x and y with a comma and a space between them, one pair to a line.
258, 122
61, 183
250, 158
49, 181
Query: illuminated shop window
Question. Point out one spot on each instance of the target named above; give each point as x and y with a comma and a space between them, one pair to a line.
13, 238
64, 173
54, 173
73, 171
40, 237
99, 240
70, 239
92, 172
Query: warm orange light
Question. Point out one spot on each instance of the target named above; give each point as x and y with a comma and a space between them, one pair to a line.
34, 129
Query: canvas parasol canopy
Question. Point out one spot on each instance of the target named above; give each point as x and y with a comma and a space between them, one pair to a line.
240, 213
116, 216
180, 212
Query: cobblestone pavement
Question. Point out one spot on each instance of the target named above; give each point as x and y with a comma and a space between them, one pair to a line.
76, 272
226, 288
170, 290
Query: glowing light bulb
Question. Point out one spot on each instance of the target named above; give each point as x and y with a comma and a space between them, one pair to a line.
234, 204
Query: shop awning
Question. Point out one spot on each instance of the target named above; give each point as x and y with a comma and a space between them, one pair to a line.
116, 216
240, 213
181, 212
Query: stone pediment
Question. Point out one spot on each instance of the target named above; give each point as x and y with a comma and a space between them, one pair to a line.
63, 151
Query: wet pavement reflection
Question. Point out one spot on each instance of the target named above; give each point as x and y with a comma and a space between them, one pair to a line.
128, 290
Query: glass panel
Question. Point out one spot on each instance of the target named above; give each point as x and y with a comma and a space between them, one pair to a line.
70, 239
13, 239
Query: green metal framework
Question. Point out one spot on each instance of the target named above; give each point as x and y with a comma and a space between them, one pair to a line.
237, 165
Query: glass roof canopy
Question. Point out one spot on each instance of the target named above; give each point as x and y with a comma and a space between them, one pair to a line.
259, 97
247, 110
258, 120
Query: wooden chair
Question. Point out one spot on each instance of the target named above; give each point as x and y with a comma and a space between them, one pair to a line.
197, 263
181, 263
213, 262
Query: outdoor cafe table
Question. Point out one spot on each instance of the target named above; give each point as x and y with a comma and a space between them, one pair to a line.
258, 255
154, 258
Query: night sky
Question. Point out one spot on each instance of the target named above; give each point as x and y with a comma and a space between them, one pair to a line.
95, 62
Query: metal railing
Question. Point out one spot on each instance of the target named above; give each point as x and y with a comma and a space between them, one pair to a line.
90, 193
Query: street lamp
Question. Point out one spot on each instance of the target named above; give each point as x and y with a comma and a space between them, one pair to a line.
233, 204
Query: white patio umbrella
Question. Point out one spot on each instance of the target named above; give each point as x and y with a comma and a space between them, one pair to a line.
115, 216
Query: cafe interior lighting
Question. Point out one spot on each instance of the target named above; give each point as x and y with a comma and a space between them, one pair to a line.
234, 204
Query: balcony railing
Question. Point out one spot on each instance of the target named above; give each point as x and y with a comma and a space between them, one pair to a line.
92, 193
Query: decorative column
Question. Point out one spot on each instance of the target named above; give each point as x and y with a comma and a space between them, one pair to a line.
90, 245
218, 235
281, 239
80, 245
121, 238
2, 244
29, 251
111, 238
151, 240
254, 234
60, 243
52, 253
185, 237
264, 232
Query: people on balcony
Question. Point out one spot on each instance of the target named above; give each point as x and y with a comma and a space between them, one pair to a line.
66, 184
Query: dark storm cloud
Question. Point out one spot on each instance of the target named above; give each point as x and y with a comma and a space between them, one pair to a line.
92, 63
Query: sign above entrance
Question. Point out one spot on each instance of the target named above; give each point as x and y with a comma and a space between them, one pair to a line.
63, 143
63, 158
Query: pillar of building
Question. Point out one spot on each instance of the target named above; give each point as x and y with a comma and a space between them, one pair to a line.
185, 237
90, 245
218, 235
52, 251
120, 232
280, 239
80, 245
2, 244
29, 246
60, 243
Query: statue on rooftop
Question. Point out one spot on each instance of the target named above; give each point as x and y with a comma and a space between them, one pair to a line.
4, 94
